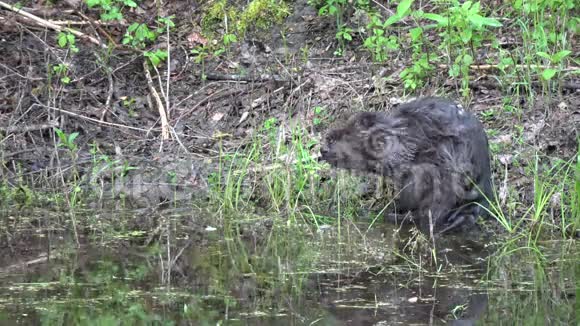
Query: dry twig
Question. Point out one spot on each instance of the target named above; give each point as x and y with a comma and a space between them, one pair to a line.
162, 113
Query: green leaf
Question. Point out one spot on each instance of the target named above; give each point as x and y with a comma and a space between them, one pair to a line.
332, 10
466, 5
151, 35
475, 8
62, 39
467, 59
544, 55
368, 43
416, 33
60, 134
113, 14
132, 27
466, 35
92, 3
393, 19
404, 73
162, 54
72, 137
403, 7
154, 60
442, 21
491, 22
454, 70
130, 3
560, 55
479, 21
70, 38
549, 73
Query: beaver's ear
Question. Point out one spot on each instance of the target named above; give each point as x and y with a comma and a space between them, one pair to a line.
364, 120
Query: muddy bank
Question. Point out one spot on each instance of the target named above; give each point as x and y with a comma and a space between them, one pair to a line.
275, 79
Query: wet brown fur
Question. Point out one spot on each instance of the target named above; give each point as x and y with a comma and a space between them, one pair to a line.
436, 153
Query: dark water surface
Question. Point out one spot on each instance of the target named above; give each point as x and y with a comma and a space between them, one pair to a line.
180, 268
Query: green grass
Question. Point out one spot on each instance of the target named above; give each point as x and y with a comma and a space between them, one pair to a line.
553, 185
278, 174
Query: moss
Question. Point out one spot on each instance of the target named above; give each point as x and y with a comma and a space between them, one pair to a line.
258, 15
262, 14
216, 16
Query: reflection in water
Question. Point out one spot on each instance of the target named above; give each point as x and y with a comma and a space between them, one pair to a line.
263, 272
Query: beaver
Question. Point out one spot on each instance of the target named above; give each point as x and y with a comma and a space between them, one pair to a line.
436, 153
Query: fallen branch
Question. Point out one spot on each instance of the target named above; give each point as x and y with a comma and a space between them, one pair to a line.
15, 129
242, 78
88, 118
45, 23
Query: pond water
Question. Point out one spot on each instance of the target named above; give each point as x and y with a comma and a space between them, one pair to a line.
187, 267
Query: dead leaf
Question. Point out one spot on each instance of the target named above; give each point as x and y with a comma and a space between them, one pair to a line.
562, 106
244, 116
195, 38
217, 117
505, 159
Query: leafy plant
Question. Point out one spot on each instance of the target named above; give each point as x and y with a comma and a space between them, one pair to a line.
554, 59
378, 43
335, 8
61, 71
228, 39
319, 114
332, 7
344, 34
111, 8
156, 57
67, 141
200, 54
67, 39
138, 34
414, 76
463, 29
129, 103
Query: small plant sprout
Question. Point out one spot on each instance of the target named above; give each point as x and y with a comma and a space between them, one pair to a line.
111, 9
67, 141
554, 59
156, 57
67, 39
61, 70
138, 34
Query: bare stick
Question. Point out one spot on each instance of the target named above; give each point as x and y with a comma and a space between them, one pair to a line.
14, 129
162, 114
88, 118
